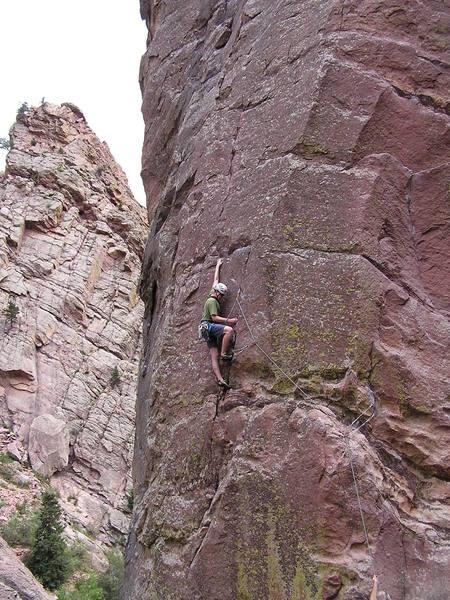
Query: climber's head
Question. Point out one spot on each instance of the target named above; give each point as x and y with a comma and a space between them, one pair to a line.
220, 289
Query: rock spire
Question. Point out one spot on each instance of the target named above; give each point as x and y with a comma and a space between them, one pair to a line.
71, 242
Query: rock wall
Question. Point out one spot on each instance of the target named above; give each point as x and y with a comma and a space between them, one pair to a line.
16, 581
71, 242
306, 143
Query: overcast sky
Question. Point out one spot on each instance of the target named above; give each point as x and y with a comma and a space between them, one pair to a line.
82, 51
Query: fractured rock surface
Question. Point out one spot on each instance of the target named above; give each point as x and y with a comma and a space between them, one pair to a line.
306, 143
71, 242
16, 581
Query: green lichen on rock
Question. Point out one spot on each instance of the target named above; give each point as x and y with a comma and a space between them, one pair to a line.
274, 557
300, 590
283, 386
242, 586
274, 576
332, 371
309, 147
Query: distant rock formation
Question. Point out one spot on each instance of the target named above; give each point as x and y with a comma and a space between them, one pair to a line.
306, 143
71, 242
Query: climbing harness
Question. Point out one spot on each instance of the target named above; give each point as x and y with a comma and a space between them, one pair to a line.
203, 331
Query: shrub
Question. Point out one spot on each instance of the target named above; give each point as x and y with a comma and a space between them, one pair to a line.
5, 144
111, 580
20, 530
86, 588
77, 559
7, 472
92, 586
130, 500
115, 377
23, 110
5, 458
48, 559
11, 311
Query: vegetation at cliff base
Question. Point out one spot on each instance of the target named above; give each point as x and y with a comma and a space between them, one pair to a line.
85, 588
97, 586
48, 559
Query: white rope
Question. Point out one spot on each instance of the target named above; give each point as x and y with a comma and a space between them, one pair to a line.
363, 521
234, 303
265, 353
349, 453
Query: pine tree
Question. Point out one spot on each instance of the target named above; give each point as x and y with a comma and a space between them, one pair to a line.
11, 311
115, 377
48, 557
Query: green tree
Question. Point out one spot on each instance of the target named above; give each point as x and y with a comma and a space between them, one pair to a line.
48, 557
24, 109
115, 377
11, 311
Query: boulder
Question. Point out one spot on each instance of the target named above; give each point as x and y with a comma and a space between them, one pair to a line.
48, 446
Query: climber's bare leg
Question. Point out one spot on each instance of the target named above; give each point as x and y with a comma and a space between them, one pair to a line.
214, 353
226, 338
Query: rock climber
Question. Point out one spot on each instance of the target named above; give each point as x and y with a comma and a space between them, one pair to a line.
218, 331
375, 595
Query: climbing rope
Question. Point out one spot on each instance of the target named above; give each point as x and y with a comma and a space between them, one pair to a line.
234, 303
355, 482
265, 353
352, 424
350, 457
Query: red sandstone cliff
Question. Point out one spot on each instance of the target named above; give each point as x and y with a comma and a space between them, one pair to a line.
306, 143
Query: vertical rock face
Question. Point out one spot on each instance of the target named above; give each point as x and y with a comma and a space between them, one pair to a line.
71, 240
306, 143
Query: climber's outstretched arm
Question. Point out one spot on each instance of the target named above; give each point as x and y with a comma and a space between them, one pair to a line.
217, 271
373, 593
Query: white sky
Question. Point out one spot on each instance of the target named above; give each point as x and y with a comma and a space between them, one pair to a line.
82, 51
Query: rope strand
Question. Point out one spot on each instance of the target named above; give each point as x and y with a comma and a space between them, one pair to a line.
348, 450
265, 353
363, 521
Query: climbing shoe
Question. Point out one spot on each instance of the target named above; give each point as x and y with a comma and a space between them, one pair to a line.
227, 357
223, 384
